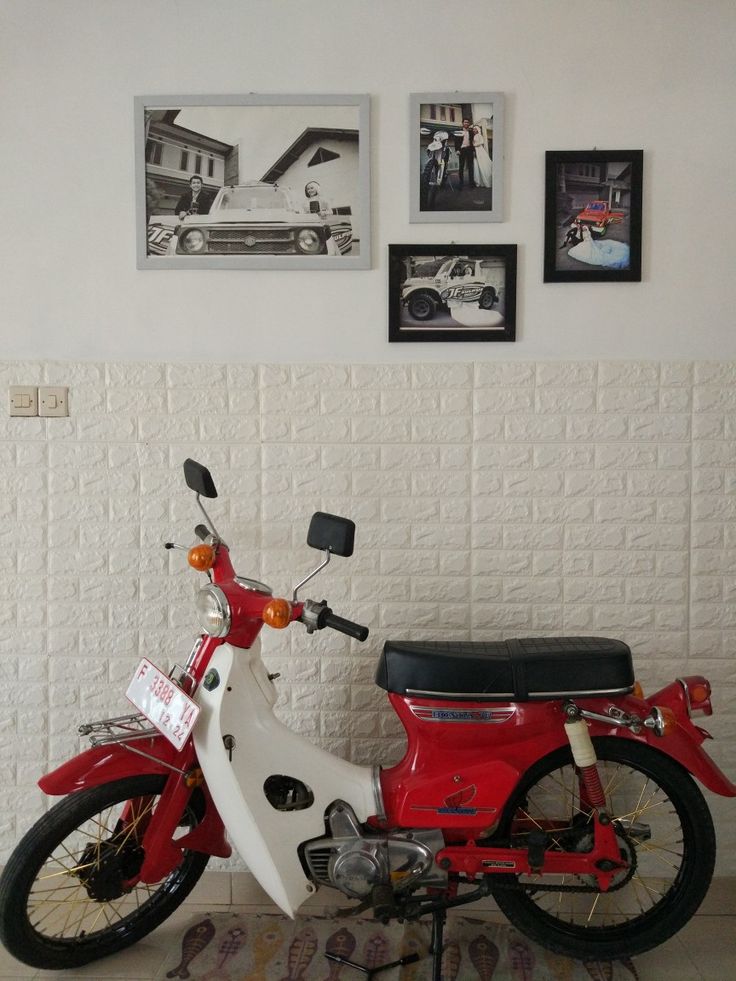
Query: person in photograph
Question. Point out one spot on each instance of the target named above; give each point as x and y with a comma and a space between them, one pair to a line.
195, 201
316, 203
609, 254
467, 155
574, 235
483, 164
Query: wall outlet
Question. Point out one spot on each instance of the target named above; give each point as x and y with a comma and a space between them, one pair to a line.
23, 400
53, 401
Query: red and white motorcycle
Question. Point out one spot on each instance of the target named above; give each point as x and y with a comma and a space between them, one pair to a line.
536, 771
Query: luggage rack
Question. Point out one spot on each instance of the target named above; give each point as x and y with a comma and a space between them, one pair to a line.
123, 729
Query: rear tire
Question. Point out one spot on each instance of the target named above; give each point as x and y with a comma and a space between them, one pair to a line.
667, 828
78, 854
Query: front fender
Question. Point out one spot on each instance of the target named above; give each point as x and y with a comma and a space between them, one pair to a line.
102, 764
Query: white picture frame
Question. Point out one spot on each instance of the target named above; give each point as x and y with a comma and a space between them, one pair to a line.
441, 178
256, 158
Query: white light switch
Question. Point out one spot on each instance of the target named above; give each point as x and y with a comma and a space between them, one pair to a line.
53, 401
23, 400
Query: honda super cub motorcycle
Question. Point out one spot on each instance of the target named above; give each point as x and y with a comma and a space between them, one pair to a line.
434, 174
536, 771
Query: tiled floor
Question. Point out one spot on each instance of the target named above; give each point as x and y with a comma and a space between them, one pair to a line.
704, 949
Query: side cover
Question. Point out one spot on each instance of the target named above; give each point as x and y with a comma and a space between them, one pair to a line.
260, 746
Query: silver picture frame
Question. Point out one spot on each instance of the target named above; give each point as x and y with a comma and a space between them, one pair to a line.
451, 182
252, 181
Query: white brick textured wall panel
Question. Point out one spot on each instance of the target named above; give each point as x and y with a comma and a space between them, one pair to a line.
491, 499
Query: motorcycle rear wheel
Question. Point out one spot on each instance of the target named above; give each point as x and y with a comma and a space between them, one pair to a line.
665, 830
80, 849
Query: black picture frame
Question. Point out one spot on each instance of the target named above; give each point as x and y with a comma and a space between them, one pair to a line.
469, 293
593, 216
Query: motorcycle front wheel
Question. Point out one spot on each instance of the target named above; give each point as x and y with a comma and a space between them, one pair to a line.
665, 834
63, 902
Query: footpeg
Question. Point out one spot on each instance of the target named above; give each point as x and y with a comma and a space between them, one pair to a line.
537, 842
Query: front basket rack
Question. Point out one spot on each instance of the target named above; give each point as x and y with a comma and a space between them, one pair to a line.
123, 729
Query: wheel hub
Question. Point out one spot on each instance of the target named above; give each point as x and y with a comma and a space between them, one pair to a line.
106, 867
628, 855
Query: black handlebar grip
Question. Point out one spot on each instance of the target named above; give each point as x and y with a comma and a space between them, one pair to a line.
346, 626
201, 531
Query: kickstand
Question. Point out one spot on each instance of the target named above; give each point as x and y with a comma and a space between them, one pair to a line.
370, 972
436, 947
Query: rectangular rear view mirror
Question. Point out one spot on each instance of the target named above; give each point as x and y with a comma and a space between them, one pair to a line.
199, 479
329, 532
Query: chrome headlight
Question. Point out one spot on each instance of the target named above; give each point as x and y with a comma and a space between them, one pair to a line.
309, 241
193, 240
213, 610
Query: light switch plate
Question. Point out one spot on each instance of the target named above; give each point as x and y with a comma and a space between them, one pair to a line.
23, 400
53, 401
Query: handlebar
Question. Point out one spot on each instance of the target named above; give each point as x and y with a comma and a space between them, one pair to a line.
317, 616
348, 627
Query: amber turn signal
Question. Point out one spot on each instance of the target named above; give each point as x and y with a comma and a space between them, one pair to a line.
277, 613
638, 691
195, 778
201, 557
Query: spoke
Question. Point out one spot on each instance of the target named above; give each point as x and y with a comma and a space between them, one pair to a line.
649, 889
592, 908
655, 853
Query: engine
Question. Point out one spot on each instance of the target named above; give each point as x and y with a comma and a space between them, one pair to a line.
356, 863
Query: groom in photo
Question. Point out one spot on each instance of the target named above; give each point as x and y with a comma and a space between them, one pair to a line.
467, 154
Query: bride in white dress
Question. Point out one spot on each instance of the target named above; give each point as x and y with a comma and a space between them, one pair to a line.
483, 163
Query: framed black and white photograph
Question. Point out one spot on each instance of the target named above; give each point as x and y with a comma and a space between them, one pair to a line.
452, 293
592, 224
456, 156
253, 182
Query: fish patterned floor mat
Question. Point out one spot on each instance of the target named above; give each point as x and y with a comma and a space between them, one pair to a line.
268, 947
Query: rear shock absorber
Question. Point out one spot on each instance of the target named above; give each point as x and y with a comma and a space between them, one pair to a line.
583, 753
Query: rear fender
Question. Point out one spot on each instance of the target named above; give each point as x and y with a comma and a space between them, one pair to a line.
686, 750
684, 744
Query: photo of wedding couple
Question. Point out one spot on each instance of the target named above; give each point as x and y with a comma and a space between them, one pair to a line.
457, 157
593, 215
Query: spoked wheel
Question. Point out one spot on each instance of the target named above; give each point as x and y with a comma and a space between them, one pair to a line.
68, 894
665, 835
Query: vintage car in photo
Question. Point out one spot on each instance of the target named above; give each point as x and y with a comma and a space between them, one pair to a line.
258, 218
458, 279
159, 233
598, 216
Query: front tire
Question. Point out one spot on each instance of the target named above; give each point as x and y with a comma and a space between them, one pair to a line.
62, 899
666, 832
422, 305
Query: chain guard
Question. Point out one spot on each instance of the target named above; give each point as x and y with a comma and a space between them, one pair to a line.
532, 887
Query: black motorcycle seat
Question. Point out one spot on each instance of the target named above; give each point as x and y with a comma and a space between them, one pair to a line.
507, 670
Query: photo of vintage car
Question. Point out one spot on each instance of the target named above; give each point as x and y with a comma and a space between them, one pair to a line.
259, 218
598, 216
469, 280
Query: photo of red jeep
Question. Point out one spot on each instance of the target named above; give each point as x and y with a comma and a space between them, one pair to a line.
598, 215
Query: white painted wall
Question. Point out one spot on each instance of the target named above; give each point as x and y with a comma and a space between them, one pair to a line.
655, 74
